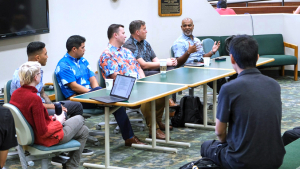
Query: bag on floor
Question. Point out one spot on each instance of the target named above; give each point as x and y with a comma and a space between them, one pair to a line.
203, 163
190, 111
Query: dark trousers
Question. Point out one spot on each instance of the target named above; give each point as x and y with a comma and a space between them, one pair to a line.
73, 108
120, 116
214, 150
291, 135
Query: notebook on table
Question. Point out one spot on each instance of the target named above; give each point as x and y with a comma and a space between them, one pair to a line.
120, 91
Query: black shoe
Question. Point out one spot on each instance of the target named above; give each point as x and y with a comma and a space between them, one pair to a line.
87, 152
58, 161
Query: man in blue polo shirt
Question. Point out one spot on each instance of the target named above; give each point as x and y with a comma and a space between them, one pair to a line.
251, 106
74, 76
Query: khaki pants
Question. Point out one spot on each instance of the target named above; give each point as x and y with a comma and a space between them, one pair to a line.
146, 110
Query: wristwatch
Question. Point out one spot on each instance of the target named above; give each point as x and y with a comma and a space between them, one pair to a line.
212, 52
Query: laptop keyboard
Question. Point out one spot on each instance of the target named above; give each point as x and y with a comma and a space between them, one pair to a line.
110, 98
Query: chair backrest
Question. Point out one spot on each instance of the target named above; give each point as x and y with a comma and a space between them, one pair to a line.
101, 81
24, 131
7, 91
172, 53
58, 94
207, 46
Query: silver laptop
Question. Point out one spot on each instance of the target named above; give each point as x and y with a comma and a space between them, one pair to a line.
120, 91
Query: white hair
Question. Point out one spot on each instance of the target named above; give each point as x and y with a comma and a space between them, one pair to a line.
28, 71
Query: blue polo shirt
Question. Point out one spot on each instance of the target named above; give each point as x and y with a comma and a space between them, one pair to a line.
69, 70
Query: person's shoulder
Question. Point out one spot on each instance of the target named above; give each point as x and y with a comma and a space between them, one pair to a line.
83, 60
129, 41
63, 60
270, 80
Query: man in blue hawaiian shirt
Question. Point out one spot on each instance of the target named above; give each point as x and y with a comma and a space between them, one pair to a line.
74, 76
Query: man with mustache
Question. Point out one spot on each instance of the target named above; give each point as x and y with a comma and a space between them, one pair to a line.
187, 48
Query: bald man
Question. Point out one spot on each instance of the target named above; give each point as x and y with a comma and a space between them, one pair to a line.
187, 48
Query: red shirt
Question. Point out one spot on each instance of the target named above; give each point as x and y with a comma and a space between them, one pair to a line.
225, 11
46, 131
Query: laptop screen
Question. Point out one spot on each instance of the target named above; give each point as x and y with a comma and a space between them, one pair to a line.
123, 86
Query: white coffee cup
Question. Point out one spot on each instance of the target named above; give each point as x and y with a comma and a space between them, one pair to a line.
109, 83
206, 61
163, 66
134, 75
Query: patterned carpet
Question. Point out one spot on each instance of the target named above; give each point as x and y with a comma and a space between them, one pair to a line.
129, 157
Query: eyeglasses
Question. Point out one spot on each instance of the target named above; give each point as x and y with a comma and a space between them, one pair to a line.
39, 72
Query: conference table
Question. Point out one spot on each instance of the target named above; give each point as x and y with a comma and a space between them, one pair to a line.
226, 64
142, 92
158, 86
219, 65
192, 77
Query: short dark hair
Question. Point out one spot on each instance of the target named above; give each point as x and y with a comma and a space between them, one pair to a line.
244, 50
135, 25
113, 28
74, 41
35, 47
222, 4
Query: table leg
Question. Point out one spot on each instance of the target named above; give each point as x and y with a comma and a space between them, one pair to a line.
167, 129
204, 126
191, 91
107, 147
153, 123
214, 100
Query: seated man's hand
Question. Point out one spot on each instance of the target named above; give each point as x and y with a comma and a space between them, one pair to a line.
171, 62
216, 46
64, 109
192, 48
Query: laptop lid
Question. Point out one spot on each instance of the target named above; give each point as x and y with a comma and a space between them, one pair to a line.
123, 86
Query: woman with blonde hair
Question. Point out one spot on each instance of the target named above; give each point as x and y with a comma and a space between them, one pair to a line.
48, 130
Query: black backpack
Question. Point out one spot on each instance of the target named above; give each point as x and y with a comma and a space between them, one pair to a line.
203, 163
190, 111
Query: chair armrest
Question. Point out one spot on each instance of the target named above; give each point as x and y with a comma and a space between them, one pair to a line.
295, 47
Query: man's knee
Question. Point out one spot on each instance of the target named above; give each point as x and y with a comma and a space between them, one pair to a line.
78, 120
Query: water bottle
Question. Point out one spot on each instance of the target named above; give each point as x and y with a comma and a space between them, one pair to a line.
58, 108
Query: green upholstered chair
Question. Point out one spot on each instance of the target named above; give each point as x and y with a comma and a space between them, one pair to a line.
208, 43
269, 46
27, 150
7, 91
291, 158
